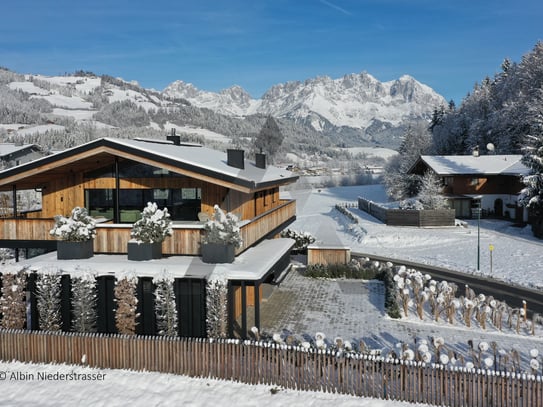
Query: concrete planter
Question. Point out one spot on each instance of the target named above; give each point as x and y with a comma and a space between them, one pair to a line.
144, 251
218, 253
75, 250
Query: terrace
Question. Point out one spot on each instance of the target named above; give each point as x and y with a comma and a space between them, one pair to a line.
111, 238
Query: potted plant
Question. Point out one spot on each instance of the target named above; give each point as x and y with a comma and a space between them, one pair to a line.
149, 232
75, 235
222, 237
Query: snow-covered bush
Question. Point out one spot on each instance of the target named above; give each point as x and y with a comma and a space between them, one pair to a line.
223, 228
217, 312
127, 303
154, 226
48, 291
431, 192
13, 299
78, 227
84, 300
165, 307
301, 239
411, 204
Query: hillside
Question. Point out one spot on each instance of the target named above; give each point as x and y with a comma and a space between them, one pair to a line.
315, 116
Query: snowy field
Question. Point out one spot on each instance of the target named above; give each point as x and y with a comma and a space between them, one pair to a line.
43, 385
517, 257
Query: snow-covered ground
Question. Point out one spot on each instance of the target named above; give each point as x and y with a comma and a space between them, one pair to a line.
126, 388
517, 255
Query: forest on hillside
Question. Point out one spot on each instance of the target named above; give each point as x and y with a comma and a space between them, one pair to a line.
501, 110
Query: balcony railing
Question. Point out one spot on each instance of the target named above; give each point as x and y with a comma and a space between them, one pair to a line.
186, 239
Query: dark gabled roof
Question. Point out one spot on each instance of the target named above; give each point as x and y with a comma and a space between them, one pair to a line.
7, 149
186, 158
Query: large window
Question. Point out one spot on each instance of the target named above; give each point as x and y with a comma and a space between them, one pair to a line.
182, 203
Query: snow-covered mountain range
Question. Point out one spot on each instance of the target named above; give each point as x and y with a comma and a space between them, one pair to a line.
355, 100
356, 110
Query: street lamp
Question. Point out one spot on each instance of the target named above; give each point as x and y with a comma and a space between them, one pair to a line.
478, 199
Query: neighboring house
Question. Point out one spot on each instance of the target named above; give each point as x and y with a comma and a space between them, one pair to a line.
13, 154
115, 178
492, 182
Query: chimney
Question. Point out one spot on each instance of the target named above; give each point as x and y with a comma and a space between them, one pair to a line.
235, 158
260, 160
173, 138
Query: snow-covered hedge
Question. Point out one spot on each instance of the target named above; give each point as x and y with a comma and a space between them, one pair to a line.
302, 239
165, 307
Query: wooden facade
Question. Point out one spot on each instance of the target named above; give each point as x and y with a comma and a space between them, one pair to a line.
490, 182
66, 179
328, 255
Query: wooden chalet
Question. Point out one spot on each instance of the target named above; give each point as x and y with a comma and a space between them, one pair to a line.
490, 182
115, 178
13, 154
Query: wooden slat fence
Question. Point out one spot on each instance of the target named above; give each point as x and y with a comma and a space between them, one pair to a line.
399, 217
279, 365
328, 255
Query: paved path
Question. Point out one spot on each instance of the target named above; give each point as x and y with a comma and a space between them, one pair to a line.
354, 310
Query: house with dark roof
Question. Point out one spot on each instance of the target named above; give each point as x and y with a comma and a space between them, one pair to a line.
12, 154
115, 178
490, 182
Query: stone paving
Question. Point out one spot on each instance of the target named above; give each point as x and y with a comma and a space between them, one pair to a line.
354, 310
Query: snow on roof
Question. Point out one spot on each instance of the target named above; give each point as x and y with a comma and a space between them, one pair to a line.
206, 158
10, 148
472, 165
251, 265
201, 159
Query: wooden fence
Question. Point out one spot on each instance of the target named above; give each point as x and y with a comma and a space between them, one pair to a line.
328, 255
399, 217
279, 365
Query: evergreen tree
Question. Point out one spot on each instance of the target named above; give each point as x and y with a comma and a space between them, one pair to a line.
48, 290
399, 183
269, 139
532, 194
430, 195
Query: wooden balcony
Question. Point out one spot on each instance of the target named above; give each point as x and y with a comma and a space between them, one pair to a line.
113, 238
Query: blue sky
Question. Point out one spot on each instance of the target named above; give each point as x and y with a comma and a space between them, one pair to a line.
448, 45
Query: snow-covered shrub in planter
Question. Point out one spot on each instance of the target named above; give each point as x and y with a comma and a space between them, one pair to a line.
127, 303
13, 299
165, 307
149, 232
84, 300
222, 237
75, 234
48, 290
78, 227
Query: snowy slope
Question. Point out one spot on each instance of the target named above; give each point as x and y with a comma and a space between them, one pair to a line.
355, 100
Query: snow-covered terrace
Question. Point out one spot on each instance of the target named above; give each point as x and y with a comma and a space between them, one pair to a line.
251, 265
